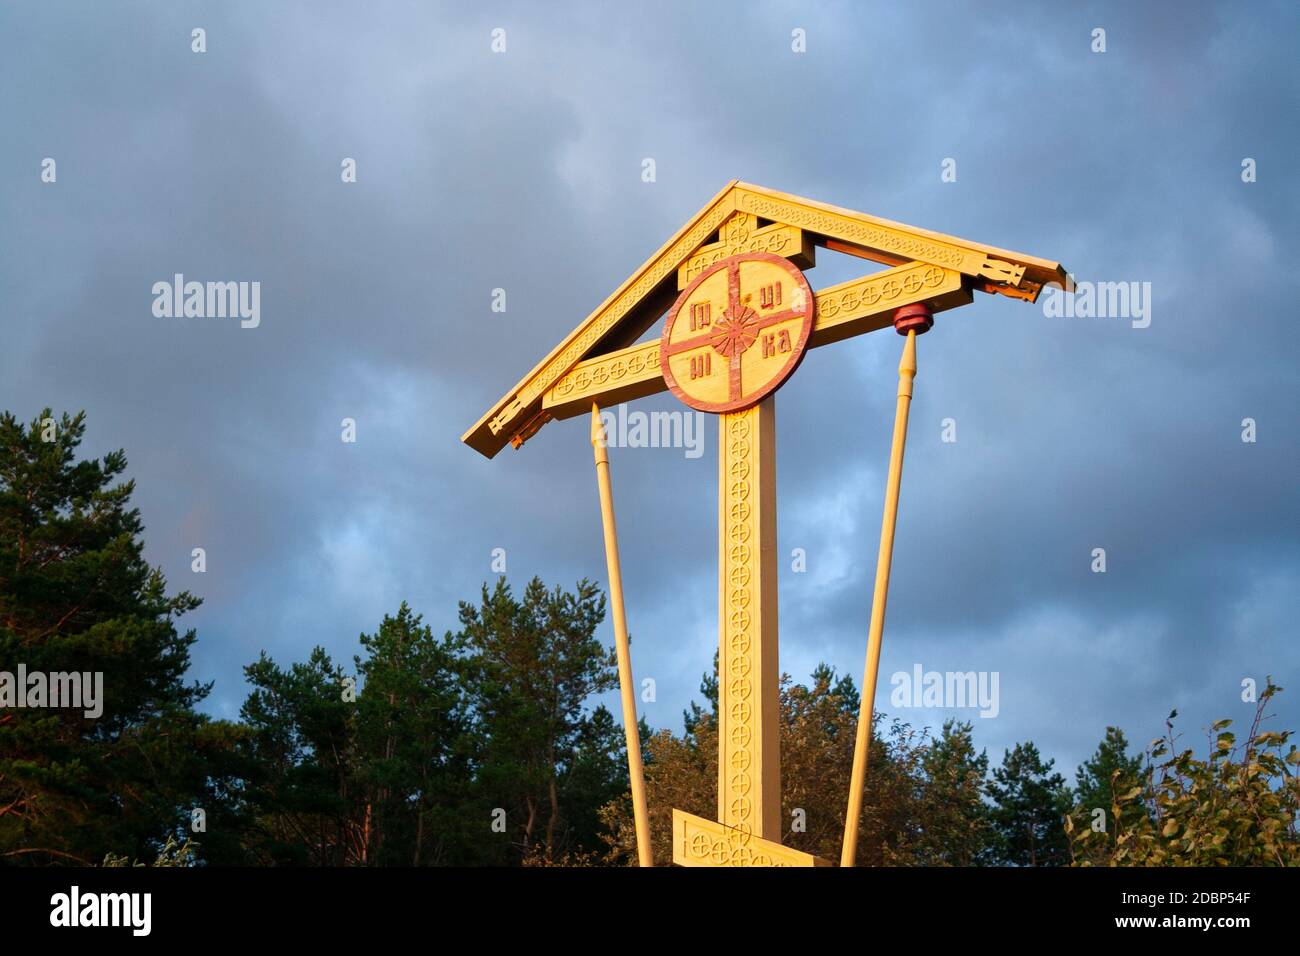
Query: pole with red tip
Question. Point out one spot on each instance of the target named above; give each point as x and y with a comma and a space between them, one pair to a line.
911, 321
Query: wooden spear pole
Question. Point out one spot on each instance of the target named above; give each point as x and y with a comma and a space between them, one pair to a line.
911, 320
640, 814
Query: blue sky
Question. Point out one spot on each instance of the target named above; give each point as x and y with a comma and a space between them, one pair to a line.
522, 170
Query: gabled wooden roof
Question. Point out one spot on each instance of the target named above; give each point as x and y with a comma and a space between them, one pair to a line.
646, 294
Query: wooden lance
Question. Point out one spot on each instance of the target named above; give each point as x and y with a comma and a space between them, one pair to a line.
910, 321
639, 812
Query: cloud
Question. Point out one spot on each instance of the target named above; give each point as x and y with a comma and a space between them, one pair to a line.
522, 171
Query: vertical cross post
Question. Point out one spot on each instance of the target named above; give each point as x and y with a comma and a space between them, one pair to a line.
749, 768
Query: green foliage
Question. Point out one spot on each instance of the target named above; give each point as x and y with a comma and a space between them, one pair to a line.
1237, 806
77, 595
956, 822
924, 799
440, 734
413, 763
172, 854
709, 691
1110, 770
1030, 802
378, 776
1100, 780
413, 728
303, 792
534, 664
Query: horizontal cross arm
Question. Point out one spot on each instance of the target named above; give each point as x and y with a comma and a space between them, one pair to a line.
844, 310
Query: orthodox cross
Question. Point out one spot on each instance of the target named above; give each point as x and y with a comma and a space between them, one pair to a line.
740, 315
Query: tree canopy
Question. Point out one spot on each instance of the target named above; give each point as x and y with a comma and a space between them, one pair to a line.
76, 596
488, 745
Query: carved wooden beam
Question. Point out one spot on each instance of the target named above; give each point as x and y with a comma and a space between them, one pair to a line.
701, 842
844, 310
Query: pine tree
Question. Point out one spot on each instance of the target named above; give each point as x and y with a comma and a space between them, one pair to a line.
305, 798
595, 775
76, 595
692, 716
371, 773
1029, 807
413, 743
535, 662
1107, 774
956, 822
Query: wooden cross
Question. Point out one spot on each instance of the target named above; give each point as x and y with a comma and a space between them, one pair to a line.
740, 317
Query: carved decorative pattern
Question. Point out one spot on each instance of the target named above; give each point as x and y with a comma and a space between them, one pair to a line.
614, 369
740, 234
874, 289
606, 320
841, 227
736, 328
843, 302
732, 849
739, 645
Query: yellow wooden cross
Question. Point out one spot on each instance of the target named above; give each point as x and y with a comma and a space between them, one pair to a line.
740, 317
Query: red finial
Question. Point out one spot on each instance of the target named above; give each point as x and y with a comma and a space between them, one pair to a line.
909, 317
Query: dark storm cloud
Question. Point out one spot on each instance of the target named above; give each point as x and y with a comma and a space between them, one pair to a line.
522, 171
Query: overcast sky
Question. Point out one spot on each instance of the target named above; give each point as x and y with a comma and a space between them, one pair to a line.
523, 170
